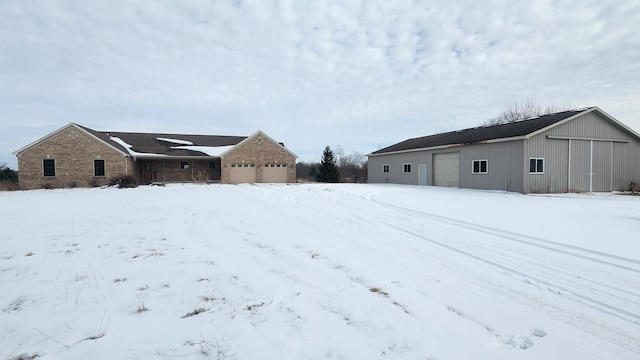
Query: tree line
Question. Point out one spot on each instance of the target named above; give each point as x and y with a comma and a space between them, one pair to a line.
335, 166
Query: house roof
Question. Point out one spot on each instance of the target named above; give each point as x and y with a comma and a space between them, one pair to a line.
160, 145
163, 144
481, 134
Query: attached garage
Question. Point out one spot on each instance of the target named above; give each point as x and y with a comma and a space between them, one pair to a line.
242, 173
258, 159
446, 169
275, 173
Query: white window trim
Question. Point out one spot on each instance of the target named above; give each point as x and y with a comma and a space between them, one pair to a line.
404, 168
536, 172
386, 167
480, 167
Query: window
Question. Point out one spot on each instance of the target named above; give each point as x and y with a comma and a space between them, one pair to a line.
480, 167
212, 165
385, 168
98, 167
536, 166
49, 167
184, 164
406, 168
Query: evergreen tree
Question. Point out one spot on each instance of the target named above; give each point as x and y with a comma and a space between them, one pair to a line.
328, 171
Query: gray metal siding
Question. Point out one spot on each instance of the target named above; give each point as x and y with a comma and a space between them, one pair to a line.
504, 166
626, 165
580, 151
555, 154
504, 171
614, 166
395, 162
590, 125
579, 167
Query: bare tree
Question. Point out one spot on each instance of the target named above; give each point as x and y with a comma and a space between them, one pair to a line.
526, 110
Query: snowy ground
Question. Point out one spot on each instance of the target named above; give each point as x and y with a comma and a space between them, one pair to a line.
318, 272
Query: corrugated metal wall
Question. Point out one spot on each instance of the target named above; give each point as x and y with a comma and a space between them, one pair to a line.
504, 166
612, 166
597, 165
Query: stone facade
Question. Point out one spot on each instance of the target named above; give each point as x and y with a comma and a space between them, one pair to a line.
73, 152
259, 149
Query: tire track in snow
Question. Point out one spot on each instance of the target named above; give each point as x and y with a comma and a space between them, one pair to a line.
581, 289
597, 256
576, 292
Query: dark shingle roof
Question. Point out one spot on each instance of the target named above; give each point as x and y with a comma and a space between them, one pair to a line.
480, 134
150, 143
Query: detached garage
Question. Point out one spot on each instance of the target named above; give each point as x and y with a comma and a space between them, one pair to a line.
582, 150
446, 169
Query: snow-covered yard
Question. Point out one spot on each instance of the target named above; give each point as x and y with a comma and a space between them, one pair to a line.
318, 271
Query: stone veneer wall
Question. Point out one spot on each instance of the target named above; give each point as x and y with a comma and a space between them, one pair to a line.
259, 150
73, 151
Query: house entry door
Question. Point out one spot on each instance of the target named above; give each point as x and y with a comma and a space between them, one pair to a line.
422, 174
148, 171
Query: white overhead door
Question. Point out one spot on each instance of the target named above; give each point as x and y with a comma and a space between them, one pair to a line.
242, 173
446, 169
274, 173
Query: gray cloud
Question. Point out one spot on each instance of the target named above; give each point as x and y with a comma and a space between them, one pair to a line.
360, 74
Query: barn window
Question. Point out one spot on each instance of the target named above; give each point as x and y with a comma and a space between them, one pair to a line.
385, 168
184, 164
406, 168
98, 167
536, 166
480, 167
49, 167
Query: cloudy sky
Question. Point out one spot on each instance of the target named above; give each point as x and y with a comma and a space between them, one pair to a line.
360, 74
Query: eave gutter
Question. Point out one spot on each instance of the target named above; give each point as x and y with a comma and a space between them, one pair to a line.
160, 157
449, 146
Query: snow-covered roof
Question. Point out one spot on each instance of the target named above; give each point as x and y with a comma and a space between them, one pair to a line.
209, 150
175, 141
128, 147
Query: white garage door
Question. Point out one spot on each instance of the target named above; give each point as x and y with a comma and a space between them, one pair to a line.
274, 173
446, 169
242, 173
